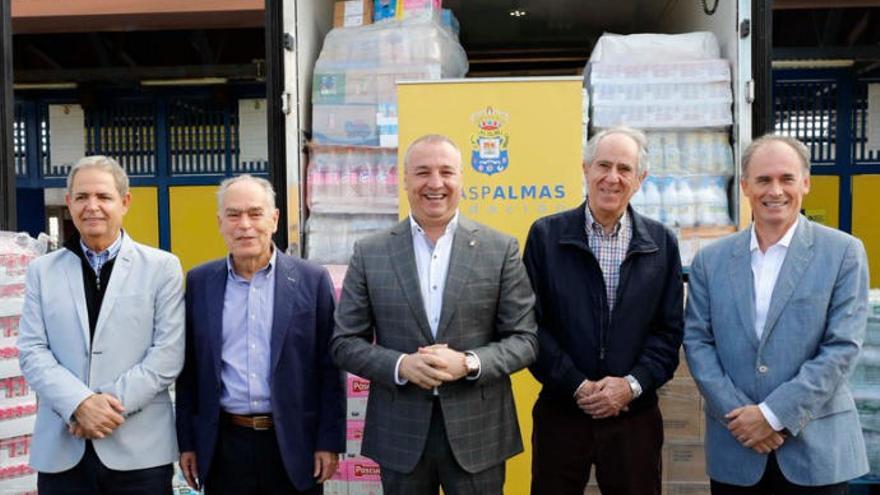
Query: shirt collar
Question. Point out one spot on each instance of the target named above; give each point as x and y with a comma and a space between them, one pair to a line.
111, 251
230, 267
784, 242
593, 225
416, 229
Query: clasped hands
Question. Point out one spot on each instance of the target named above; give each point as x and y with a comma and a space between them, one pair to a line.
433, 365
97, 417
605, 398
750, 428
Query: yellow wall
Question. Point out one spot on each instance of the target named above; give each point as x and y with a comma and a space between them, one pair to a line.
822, 204
865, 223
194, 235
142, 219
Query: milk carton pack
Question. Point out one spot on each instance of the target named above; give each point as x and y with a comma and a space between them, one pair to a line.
363, 477
357, 391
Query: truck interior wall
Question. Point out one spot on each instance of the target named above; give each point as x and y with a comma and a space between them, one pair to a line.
688, 15
307, 21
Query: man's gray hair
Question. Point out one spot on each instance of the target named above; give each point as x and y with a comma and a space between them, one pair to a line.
798, 147
430, 139
104, 164
263, 183
634, 134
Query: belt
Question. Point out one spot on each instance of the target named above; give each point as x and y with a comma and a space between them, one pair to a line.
258, 422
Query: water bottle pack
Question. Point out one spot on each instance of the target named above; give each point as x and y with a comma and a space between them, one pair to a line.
331, 237
684, 201
348, 179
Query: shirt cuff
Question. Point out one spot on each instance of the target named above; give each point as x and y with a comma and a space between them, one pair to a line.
770, 417
397, 379
479, 366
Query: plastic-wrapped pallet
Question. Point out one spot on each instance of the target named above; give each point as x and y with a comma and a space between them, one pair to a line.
677, 90
358, 68
331, 237
18, 403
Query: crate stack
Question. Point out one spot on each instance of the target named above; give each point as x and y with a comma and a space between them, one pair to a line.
865, 382
352, 176
18, 403
677, 90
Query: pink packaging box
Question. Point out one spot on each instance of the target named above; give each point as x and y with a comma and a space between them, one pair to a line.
338, 483
363, 477
357, 387
354, 434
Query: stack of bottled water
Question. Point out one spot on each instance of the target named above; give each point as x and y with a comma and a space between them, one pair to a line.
689, 175
352, 174
681, 97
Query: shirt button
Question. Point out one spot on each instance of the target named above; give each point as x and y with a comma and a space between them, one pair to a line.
253, 346
253, 317
762, 368
435, 287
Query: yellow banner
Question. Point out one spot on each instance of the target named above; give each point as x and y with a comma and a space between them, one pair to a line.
521, 153
520, 141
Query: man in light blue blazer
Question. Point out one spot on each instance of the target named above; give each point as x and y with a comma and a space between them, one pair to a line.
101, 340
774, 321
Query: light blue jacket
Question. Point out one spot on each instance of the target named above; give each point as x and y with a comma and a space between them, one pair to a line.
799, 368
136, 353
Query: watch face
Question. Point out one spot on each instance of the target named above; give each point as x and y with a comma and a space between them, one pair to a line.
471, 362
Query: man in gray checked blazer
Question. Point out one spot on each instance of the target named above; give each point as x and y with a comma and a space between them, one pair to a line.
450, 308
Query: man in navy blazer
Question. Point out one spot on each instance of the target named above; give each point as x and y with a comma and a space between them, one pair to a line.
775, 318
260, 405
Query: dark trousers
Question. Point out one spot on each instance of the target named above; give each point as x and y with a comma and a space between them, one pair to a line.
566, 442
91, 477
248, 462
438, 467
774, 483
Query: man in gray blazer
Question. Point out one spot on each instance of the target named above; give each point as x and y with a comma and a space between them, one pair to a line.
450, 308
101, 340
774, 321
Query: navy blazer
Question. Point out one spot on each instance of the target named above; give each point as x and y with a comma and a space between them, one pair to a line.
307, 393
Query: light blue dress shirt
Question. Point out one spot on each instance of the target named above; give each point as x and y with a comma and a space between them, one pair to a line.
97, 260
248, 307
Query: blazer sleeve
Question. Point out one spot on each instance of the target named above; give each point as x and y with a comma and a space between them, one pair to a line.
721, 395
553, 366
164, 359
659, 356
352, 343
797, 401
55, 385
331, 420
187, 391
517, 345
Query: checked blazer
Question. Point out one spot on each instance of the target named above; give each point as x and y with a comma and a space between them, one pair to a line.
487, 309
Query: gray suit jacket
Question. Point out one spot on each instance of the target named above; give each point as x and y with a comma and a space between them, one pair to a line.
799, 367
487, 308
135, 355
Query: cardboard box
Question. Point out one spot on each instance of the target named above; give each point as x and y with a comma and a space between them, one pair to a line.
354, 435
363, 476
684, 462
699, 488
682, 371
681, 408
350, 13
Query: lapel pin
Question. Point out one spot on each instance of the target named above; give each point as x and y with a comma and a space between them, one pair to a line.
472, 243
291, 279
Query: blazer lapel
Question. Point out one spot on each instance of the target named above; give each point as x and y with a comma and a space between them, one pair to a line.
73, 274
743, 287
213, 307
464, 246
119, 275
796, 260
286, 278
407, 273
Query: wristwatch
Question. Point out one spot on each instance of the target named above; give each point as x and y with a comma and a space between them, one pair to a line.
634, 386
472, 363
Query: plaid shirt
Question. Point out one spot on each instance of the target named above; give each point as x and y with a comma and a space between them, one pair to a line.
609, 250
97, 260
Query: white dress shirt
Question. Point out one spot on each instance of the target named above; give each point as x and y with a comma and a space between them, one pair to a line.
432, 263
765, 271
